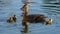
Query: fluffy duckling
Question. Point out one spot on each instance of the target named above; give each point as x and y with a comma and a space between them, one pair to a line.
10, 19
49, 21
14, 18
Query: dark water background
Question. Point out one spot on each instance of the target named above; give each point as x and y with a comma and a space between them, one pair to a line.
50, 8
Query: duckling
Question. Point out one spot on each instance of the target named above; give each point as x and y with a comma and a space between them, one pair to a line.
10, 19
49, 21
14, 18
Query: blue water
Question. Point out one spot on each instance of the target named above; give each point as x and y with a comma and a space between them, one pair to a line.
11, 7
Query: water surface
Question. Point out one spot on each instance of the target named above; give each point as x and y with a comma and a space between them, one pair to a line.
46, 7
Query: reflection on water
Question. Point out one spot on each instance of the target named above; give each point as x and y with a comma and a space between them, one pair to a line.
50, 8
25, 29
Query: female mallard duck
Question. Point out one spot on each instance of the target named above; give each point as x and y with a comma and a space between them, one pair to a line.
32, 17
14, 17
49, 21
10, 19
36, 18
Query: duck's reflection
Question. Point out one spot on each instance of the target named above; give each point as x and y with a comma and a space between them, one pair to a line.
25, 29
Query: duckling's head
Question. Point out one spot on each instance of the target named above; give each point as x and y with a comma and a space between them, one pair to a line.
14, 16
49, 21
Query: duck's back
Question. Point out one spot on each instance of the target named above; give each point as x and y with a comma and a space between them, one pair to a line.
36, 18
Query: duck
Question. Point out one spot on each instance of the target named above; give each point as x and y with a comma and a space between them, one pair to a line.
36, 18
14, 17
32, 18
10, 19
50, 21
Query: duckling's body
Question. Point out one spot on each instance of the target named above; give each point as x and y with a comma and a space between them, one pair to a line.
49, 21
14, 18
35, 18
10, 19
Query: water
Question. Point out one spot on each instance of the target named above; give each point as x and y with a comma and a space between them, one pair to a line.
46, 7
